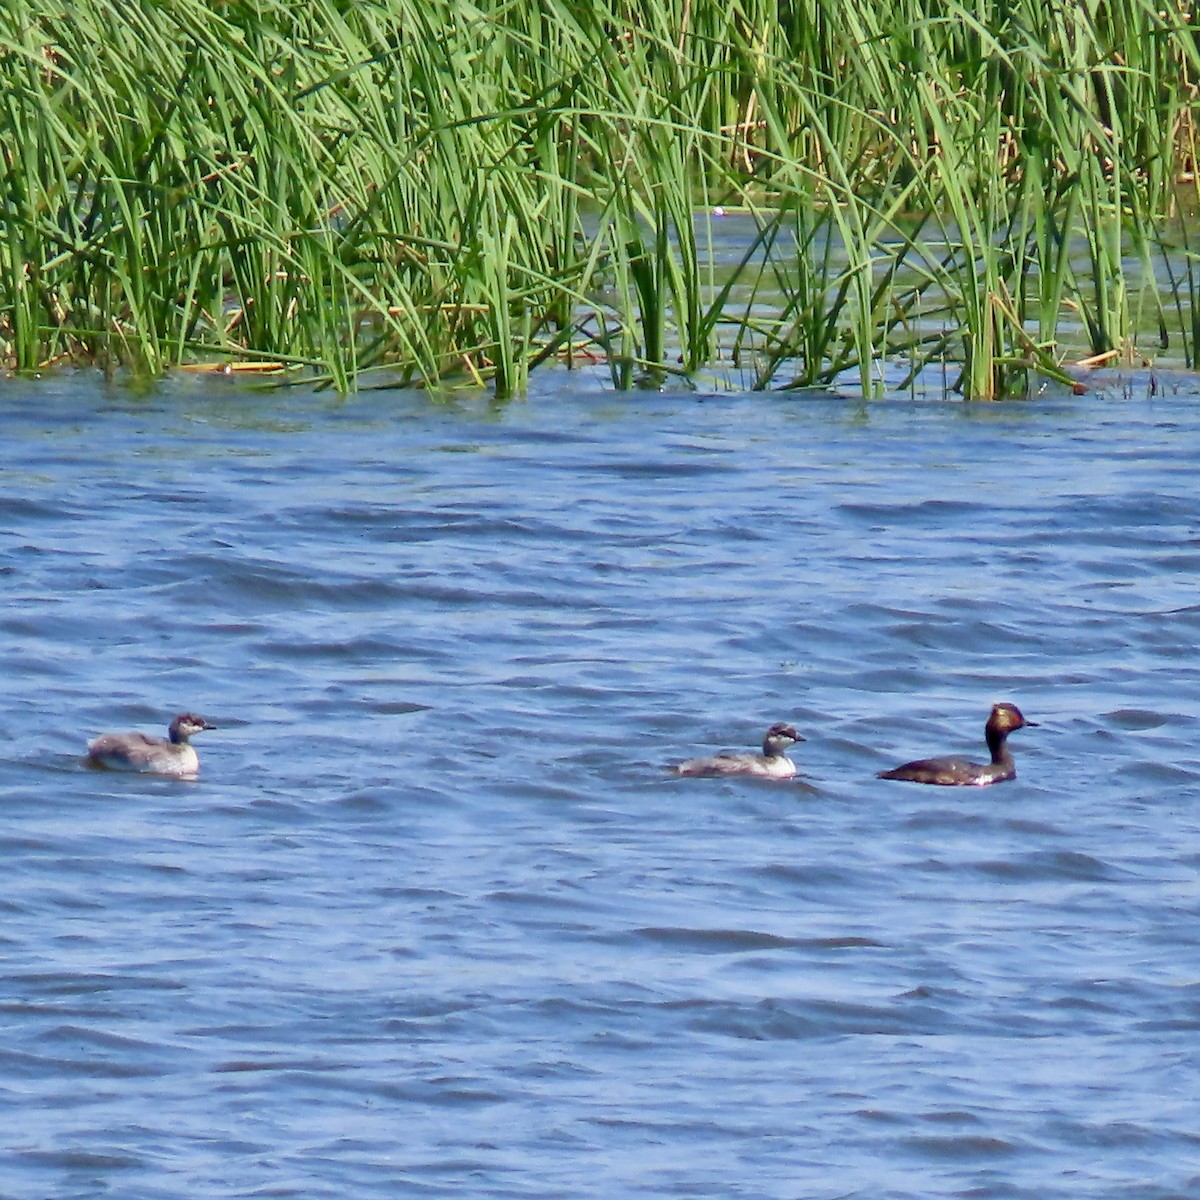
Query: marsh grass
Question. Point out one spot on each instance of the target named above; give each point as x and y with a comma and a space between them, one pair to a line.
473, 190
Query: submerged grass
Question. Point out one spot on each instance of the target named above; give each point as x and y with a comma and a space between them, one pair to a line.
473, 189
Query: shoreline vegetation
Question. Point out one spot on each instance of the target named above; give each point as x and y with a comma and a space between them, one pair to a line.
422, 191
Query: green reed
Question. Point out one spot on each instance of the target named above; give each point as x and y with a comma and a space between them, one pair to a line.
469, 191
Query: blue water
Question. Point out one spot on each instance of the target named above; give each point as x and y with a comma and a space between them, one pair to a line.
434, 921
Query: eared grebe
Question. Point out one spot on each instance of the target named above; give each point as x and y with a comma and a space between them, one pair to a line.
172, 755
772, 763
957, 772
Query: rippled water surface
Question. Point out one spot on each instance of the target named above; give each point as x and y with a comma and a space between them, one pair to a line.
434, 921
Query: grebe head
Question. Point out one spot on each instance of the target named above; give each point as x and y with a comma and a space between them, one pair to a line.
1005, 717
187, 724
779, 739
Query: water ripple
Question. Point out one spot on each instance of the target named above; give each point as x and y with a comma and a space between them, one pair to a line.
435, 920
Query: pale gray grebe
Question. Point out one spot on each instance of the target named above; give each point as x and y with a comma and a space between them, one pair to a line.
772, 763
172, 755
957, 772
